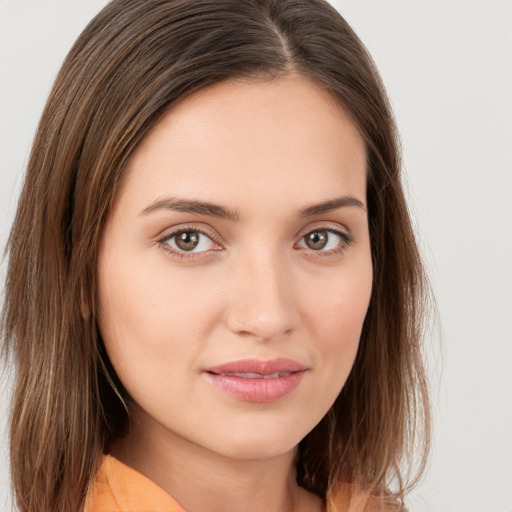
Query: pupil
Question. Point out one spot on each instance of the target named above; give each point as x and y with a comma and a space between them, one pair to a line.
317, 240
187, 240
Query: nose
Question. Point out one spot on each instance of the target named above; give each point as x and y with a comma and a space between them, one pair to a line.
263, 304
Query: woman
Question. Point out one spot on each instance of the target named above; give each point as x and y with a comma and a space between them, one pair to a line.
214, 296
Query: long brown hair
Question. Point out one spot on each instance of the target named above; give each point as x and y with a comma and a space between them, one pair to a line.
133, 61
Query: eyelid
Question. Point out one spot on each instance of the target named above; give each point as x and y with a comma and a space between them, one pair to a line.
169, 233
343, 232
326, 226
332, 227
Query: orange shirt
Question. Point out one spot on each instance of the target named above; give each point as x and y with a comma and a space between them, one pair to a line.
119, 488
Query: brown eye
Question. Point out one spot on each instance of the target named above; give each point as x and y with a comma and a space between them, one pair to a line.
325, 241
190, 240
187, 240
317, 240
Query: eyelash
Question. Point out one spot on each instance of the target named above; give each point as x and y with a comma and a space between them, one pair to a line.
182, 255
345, 241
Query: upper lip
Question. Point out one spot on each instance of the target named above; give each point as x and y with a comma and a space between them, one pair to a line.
258, 366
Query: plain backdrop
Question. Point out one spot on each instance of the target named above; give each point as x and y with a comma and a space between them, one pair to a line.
447, 66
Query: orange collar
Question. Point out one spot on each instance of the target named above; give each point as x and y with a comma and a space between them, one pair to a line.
119, 488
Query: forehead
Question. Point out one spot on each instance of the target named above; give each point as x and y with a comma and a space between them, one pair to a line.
251, 141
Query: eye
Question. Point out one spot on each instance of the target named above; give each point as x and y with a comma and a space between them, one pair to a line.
325, 240
189, 241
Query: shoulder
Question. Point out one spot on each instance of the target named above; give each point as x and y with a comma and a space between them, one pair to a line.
118, 488
353, 498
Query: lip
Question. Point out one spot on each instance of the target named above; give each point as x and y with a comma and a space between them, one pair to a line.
255, 380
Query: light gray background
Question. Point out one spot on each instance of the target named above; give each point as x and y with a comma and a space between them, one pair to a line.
448, 69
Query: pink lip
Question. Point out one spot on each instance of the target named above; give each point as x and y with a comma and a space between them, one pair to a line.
254, 380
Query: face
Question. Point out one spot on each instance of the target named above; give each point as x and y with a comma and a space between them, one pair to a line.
235, 269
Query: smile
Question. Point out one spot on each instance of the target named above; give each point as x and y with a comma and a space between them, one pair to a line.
257, 381
248, 375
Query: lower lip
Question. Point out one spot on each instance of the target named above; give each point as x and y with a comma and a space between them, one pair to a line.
257, 390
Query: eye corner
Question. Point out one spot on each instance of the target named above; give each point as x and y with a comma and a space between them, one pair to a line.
329, 241
192, 247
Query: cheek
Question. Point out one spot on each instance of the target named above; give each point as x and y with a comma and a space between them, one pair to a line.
153, 318
335, 314
143, 295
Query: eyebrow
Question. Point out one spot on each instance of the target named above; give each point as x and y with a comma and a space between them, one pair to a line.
191, 206
332, 204
214, 210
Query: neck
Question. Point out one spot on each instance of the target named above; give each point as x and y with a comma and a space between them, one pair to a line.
205, 481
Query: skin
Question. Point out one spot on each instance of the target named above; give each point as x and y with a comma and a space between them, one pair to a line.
252, 289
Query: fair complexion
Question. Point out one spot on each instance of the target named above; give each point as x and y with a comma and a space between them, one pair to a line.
239, 237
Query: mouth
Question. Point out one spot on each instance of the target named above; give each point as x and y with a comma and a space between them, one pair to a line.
248, 375
257, 381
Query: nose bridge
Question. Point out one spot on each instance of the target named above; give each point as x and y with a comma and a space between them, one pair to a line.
262, 302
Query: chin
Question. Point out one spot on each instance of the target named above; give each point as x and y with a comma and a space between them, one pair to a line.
249, 450
258, 441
